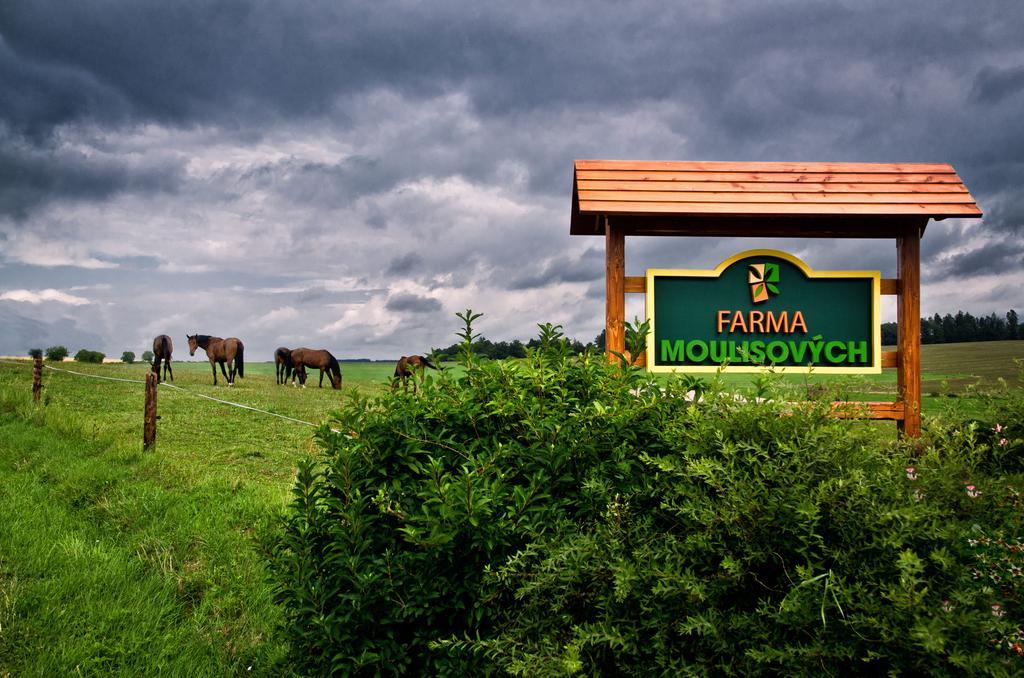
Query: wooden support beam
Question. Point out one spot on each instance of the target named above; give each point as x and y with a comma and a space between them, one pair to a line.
908, 318
855, 410
890, 286
890, 358
636, 284
615, 289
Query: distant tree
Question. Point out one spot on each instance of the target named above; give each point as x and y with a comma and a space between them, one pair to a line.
991, 327
963, 327
889, 337
56, 353
966, 326
128, 357
147, 357
938, 334
599, 341
87, 356
35, 353
949, 330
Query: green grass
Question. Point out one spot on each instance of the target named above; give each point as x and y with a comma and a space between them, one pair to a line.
113, 560
119, 561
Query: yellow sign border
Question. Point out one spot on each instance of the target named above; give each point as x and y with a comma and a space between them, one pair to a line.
875, 276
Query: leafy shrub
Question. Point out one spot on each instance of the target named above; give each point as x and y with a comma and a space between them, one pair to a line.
559, 515
87, 356
128, 357
147, 357
56, 353
35, 353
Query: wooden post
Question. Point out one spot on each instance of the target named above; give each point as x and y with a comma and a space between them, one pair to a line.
615, 289
149, 418
908, 318
37, 379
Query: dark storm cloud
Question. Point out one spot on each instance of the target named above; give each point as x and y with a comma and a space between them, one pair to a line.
1006, 212
405, 301
992, 85
181, 62
404, 264
186, 62
992, 258
328, 185
33, 175
750, 81
587, 267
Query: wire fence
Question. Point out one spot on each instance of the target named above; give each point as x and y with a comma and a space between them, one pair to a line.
169, 386
244, 407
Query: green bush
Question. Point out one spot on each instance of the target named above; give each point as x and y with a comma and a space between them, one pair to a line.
128, 357
87, 356
147, 357
558, 515
56, 353
35, 353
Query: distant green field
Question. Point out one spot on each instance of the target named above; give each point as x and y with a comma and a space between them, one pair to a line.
983, 362
118, 561
946, 370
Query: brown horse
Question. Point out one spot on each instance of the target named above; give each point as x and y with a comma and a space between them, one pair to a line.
220, 351
319, 359
162, 348
283, 364
409, 366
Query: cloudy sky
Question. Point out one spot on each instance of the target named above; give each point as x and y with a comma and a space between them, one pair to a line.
349, 175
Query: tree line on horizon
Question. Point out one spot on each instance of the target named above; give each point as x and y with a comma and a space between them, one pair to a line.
497, 350
962, 327
938, 329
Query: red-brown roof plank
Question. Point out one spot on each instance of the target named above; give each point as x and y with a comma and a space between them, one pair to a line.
681, 189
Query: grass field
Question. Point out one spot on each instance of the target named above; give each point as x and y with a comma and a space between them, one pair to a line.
114, 560
117, 561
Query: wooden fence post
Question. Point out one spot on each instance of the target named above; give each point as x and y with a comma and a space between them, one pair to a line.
37, 379
149, 423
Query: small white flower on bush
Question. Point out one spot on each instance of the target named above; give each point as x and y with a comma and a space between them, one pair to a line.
972, 491
997, 610
911, 473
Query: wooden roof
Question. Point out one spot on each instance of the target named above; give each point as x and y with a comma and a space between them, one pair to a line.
709, 191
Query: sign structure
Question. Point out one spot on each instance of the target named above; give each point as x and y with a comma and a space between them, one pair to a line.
827, 201
764, 308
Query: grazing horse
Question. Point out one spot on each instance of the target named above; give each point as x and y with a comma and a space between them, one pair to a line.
220, 351
283, 364
162, 351
408, 366
319, 359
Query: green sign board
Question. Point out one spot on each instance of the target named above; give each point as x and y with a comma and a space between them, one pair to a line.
764, 308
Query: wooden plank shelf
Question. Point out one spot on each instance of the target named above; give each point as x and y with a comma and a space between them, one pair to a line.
856, 410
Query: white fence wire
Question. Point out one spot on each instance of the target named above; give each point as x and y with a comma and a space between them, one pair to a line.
170, 386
